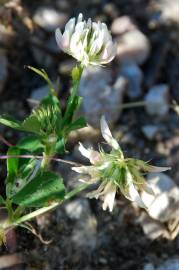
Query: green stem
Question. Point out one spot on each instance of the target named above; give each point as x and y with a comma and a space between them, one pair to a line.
141, 103
35, 213
44, 210
45, 161
76, 77
134, 104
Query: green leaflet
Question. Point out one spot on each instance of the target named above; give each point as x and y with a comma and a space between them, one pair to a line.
60, 146
44, 75
10, 122
30, 143
2, 201
41, 190
51, 100
31, 124
77, 124
26, 169
72, 106
12, 164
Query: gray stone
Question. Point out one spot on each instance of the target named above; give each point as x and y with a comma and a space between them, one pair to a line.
3, 70
40, 44
157, 102
121, 25
76, 209
101, 98
49, 18
84, 233
152, 228
150, 131
169, 11
149, 266
164, 205
134, 76
133, 46
37, 95
172, 264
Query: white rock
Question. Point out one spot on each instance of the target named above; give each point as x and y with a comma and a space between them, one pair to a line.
37, 95
169, 11
172, 264
134, 77
149, 266
152, 228
3, 70
84, 234
99, 96
133, 46
49, 18
150, 131
157, 100
164, 205
77, 208
121, 25
43, 58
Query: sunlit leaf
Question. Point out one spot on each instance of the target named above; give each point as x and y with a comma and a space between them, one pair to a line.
42, 190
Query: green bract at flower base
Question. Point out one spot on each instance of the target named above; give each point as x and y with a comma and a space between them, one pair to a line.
115, 172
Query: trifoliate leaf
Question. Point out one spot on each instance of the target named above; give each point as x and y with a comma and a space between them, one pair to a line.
43, 189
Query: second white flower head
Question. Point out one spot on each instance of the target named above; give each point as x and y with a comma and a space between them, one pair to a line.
89, 42
114, 172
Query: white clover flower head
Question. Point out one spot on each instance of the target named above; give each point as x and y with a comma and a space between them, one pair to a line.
89, 42
113, 172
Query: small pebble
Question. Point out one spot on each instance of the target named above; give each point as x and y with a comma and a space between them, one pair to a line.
133, 46
157, 100
134, 77
49, 18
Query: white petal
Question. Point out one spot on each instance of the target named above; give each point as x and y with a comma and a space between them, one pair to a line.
90, 181
75, 38
96, 193
104, 165
109, 53
82, 169
89, 23
70, 26
130, 191
80, 18
80, 26
135, 197
91, 154
65, 42
147, 188
96, 46
109, 198
58, 36
85, 152
106, 133
156, 169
